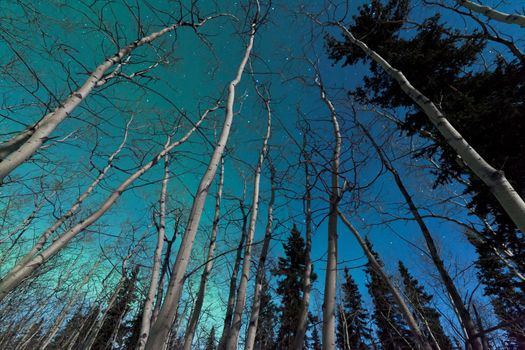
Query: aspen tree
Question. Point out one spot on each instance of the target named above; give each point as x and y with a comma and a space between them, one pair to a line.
496, 181
24, 145
233, 336
488, 11
147, 310
420, 340
197, 308
161, 328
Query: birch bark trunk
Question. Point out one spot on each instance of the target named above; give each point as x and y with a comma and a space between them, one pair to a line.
420, 339
457, 301
331, 262
195, 315
307, 284
493, 14
148, 303
498, 184
21, 147
261, 270
233, 336
161, 328
16, 276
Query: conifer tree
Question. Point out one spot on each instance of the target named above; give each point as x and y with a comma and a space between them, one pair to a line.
112, 328
392, 331
486, 105
316, 339
265, 335
290, 271
423, 311
352, 328
211, 343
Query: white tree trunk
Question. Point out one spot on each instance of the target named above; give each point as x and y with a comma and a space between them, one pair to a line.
16, 276
195, 315
161, 328
457, 301
230, 304
420, 339
331, 262
493, 14
302, 323
21, 147
261, 270
155, 270
74, 208
509, 199
233, 336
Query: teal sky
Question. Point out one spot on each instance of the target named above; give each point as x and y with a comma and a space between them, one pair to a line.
193, 74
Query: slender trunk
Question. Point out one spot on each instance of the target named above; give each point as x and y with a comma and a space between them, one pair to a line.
163, 272
420, 339
60, 318
161, 328
74, 208
302, 323
15, 277
23, 146
233, 337
457, 301
233, 283
331, 262
261, 270
496, 181
195, 315
148, 303
509, 18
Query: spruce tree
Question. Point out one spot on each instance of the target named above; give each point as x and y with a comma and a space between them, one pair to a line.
290, 273
427, 316
112, 330
352, 328
392, 331
486, 104
265, 335
211, 343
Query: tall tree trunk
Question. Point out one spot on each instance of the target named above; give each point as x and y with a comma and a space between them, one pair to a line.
161, 232
163, 273
457, 301
302, 323
195, 315
161, 328
493, 14
331, 262
261, 269
233, 281
420, 339
23, 146
19, 273
496, 181
233, 337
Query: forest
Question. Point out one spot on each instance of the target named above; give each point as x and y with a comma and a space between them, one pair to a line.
262, 174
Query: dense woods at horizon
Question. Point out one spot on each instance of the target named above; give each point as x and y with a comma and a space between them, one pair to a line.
262, 175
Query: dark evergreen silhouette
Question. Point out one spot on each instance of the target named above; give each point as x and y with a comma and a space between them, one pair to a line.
113, 330
353, 332
290, 272
265, 337
211, 343
485, 104
427, 316
392, 331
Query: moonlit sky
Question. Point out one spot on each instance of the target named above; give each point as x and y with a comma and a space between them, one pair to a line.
192, 77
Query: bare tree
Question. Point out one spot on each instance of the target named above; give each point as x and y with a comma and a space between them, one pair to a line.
160, 330
493, 14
